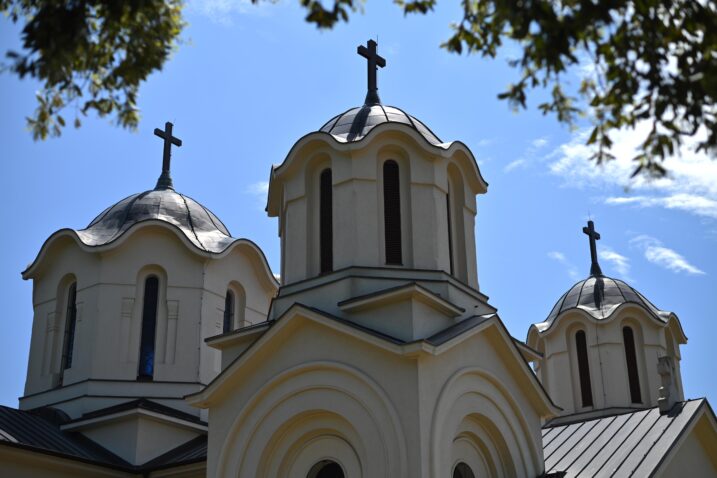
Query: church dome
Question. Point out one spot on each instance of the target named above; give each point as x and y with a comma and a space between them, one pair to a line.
600, 296
356, 123
198, 224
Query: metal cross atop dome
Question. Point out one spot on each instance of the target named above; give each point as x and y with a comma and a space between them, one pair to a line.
165, 180
374, 61
594, 236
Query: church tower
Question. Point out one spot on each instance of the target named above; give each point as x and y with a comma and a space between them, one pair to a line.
606, 347
380, 355
121, 310
375, 203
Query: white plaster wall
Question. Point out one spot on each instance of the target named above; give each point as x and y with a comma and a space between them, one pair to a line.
694, 458
397, 414
109, 298
358, 235
606, 353
18, 463
138, 439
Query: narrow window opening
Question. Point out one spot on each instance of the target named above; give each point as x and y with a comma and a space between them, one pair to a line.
326, 234
463, 471
450, 228
228, 312
584, 369
392, 213
149, 328
631, 358
68, 342
326, 469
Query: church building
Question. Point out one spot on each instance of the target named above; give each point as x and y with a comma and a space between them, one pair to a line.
164, 347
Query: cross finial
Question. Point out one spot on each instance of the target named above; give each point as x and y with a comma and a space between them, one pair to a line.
374, 61
594, 236
165, 180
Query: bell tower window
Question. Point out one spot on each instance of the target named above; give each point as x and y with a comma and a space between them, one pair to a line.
586, 391
628, 338
450, 228
68, 341
392, 213
326, 234
149, 328
229, 304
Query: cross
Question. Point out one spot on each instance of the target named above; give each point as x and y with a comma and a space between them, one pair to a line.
374, 61
594, 236
165, 180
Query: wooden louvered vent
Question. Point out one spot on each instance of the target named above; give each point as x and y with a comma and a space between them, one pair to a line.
392, 213
326, 234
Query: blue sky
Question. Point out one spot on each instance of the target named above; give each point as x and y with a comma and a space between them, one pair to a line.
248, 81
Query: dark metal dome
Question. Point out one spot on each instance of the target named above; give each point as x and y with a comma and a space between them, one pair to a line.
356, 123
199, 224
600, 296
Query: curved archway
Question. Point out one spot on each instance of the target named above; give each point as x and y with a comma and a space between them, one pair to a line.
475, 411
276, 433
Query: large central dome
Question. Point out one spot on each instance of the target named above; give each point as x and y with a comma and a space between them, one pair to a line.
356, 123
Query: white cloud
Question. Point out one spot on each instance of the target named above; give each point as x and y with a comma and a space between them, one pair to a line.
658, 254
570, 268
529, 155
260, 188
616, 260
691, 185
518, 163
222, 11
539, 143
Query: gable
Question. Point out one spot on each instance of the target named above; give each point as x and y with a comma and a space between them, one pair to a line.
285, 329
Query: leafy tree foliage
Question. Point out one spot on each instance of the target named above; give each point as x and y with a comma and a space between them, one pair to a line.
91, 54
648, 60
644, 60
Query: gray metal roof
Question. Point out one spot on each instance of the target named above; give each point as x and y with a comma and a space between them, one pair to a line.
39, 431
356, 123
30, 430
197, 223
629, 444
600, 296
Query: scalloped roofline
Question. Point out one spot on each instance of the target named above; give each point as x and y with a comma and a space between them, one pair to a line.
445, 150
29, 272
664, 322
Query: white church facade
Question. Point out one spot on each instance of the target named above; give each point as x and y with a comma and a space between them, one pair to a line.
164, 347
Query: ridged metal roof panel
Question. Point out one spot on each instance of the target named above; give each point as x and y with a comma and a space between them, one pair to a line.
356, 123
200, 226
600, 296
630, 444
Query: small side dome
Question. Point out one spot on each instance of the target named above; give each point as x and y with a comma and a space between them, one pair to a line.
354, 124
600, 296
199, 224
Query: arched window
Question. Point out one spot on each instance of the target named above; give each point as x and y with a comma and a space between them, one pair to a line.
149, 328
326, 233
463, 471
631, 358
326, 469
586, 390
392, 212
228, 312
68, 341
